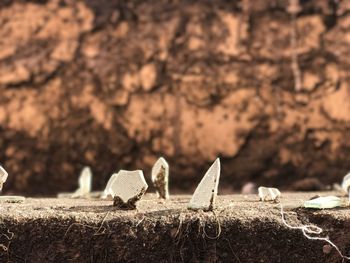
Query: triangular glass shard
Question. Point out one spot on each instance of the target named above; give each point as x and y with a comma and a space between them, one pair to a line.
268, 193
107, 192
127, 188
204, 196
160, 178
85, 181
3, 176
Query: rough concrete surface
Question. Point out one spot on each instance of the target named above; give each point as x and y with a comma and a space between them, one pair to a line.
242, 229
115, 84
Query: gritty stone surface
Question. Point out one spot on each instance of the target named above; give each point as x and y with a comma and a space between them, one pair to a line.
242, 229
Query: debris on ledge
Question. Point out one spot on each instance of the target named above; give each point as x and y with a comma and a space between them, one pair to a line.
3, 176
85, 181
346, 184
107, 192
160, 178
8, 198
325, 202
268, 193
84, 190
205, 195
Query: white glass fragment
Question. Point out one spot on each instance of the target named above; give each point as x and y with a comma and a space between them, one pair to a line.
107, 192
85, 181
160, 178
3, 176
127, 188
205, 194
346, 183
268, 193
8, 198
323, 202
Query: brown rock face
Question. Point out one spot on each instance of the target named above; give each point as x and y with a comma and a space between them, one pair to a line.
116, 84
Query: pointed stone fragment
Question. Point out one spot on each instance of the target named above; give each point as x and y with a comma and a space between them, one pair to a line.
268, 193
3, 176
205, 195
85, 181
160, 178
107, 192
127, 188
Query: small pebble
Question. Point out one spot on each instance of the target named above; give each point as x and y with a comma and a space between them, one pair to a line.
268, 193
327, 249
248, 189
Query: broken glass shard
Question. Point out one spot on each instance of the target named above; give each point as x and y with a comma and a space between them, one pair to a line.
346, 183
204, 196
268, 193
160, 178
107, 192
323, 202
85, 180
127, 188
3, 176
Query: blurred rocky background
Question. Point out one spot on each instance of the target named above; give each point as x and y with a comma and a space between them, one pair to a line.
115, 84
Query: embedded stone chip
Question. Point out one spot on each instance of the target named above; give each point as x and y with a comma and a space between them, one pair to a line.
107, 192
268, 193
85, 181
160, 178
12, 199
3, 176
325, 202
127, 188
205, 194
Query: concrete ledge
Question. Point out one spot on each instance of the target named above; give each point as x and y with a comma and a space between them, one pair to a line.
242, 229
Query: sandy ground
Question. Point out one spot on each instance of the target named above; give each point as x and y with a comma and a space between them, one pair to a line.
241, 229
241, 207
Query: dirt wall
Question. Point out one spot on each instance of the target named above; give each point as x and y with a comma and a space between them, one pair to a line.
115, 84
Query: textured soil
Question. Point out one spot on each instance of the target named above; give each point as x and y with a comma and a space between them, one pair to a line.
115, 84
241, 229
